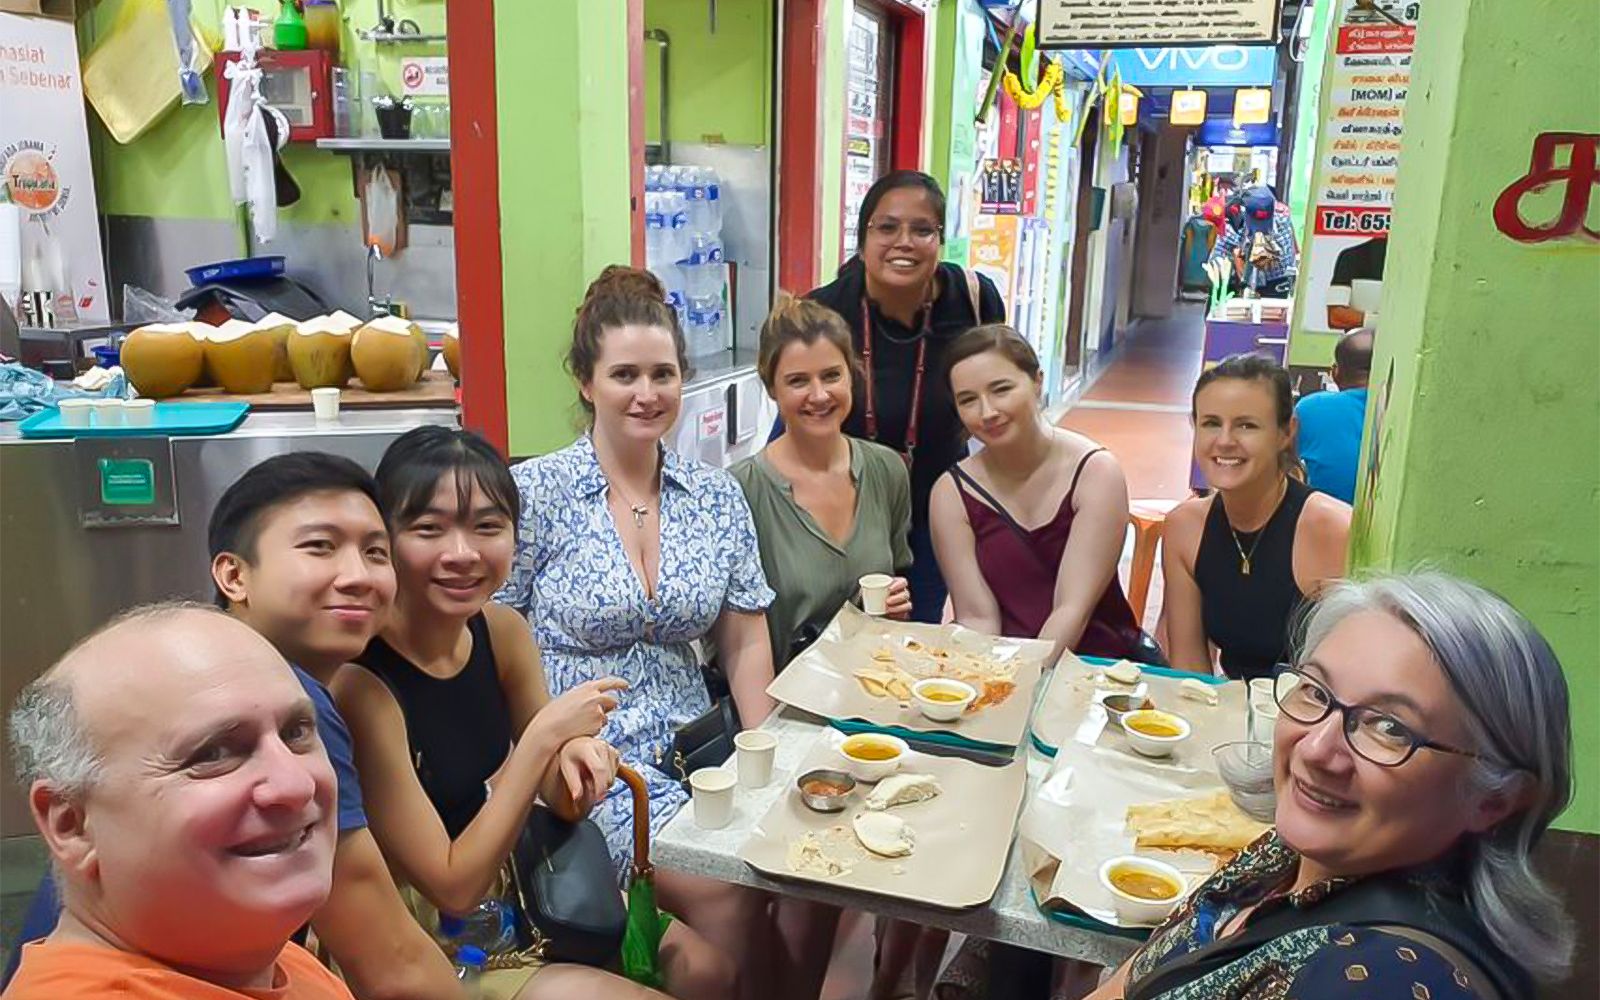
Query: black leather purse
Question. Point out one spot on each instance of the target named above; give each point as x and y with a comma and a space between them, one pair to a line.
704, 741
567, 890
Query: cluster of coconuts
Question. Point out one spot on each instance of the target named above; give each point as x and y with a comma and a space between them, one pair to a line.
387, 354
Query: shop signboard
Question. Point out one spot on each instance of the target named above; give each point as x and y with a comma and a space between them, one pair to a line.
1219, 130
44, 166
1101, 24
1358, 154
1197, 66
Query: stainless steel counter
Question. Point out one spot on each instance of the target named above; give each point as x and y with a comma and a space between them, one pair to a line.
59, 579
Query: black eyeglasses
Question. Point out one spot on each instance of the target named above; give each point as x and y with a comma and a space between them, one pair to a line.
1372, 734
890, 229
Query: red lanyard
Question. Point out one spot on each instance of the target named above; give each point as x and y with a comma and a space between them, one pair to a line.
867, 335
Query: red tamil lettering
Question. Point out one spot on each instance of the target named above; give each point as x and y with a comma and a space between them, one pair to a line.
1580, 175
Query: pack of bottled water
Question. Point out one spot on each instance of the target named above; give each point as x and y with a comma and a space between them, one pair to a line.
683, 247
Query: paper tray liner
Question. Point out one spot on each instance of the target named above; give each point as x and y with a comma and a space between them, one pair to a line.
822, 679
962, 836
1076, 819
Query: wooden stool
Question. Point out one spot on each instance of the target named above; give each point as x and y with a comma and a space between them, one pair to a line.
1147, 517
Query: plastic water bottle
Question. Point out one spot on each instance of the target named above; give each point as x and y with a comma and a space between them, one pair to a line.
492, 927
655, 234
470, 962
675, 219
711, 184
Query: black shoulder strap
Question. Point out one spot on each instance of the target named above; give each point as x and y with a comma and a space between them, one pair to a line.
963, 477
1375, 902
1078, 472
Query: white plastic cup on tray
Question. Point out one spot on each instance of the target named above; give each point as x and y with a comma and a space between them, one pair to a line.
754, 752
76, 412
712, 788
325, 403
108, 413
875, 594
139, 412
1262, 716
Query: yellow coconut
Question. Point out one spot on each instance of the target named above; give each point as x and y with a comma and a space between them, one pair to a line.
452, 349
278, 327
344, 321
384, 353
319, 353
241, 357
202, 331
162, 359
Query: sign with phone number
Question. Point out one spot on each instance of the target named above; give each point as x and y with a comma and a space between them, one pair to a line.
1339, 221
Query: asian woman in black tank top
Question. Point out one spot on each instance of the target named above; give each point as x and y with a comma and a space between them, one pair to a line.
1239, 563
454, 729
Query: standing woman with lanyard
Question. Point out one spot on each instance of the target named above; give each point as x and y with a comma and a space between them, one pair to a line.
904, 307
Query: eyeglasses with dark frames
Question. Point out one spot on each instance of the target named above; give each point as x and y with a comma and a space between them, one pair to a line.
1373, 734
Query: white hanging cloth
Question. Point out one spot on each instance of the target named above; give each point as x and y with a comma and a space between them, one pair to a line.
249, 146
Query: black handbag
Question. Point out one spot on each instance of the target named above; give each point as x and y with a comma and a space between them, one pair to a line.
704, 741
566, 888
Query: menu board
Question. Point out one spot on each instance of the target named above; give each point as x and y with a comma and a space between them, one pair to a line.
1358, 157
1101, 24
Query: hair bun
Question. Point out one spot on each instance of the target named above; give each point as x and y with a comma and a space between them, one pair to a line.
622, 280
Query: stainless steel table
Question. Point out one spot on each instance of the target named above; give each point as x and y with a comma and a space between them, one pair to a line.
1009, 917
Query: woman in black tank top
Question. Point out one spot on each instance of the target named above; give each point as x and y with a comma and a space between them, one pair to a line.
454, 729
1239, 563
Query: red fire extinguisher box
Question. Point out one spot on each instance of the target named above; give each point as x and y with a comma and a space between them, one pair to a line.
299, 84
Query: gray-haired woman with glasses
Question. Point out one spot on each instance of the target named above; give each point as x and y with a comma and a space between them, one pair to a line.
1422, 748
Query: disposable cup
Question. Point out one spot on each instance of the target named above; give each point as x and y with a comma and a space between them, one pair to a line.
325, 402
1262, 715
712, 788
755, 750
108, 413
875, 593
76, 412
139, 412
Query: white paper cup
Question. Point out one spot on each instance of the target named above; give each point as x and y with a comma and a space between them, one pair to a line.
755, 750
76, 412
139, 412
108, 413
875, 593
1263, 710
712, 788
1338, 295
325, 402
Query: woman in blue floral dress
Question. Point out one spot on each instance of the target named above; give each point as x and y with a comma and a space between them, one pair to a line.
627, 555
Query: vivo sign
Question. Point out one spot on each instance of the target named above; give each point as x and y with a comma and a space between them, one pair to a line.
1207, 66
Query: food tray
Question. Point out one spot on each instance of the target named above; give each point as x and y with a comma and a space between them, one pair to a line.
170, 420
963, 836
822, 680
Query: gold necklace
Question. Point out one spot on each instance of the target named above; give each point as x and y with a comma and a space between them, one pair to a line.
1245, 557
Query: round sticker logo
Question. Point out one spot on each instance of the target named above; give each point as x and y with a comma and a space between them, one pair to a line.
411, 75
32, 180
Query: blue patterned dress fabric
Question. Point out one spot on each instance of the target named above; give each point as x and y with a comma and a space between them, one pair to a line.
572, 580
1328, 961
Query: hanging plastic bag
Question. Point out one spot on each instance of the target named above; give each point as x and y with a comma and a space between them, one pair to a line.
383, 211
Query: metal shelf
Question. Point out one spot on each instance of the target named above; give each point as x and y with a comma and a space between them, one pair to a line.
360, 145
399, 37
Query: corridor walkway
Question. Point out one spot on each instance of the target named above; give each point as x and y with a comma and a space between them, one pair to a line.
1139, 408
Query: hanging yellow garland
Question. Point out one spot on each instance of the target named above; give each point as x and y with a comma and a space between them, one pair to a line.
1052, 84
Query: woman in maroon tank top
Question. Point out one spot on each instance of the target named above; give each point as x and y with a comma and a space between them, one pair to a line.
1028, 531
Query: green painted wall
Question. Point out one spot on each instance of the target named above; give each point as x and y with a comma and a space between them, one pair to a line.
1487, 464
564, 157
720, 85
176, 170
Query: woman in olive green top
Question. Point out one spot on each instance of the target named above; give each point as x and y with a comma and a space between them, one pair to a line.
828, 509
